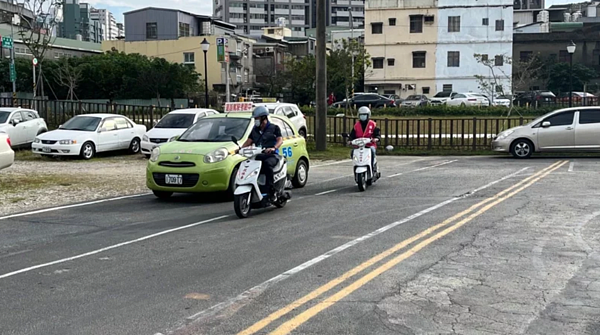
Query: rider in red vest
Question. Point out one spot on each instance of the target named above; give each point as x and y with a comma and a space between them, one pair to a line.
366, 128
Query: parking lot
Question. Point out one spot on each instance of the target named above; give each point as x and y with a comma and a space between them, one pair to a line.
439, 245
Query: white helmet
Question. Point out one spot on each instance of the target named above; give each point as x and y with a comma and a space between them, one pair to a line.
364, 110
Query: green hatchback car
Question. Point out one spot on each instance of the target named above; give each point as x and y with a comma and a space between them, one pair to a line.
203, 158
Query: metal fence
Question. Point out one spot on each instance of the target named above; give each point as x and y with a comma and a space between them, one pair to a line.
425, 133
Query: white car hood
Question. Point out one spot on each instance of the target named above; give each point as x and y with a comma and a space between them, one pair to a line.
164, 132
61, 134
440, 99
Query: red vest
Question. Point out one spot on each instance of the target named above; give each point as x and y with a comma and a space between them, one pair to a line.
368, 133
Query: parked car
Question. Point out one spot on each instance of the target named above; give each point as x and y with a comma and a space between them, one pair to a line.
368, 99
415, 100
292, 112
468, 99
502, 100
394, 97
172, 124
85, 135
568, 129
442, 97
485, 96
535, 97
21, 125
579, 98
7, 155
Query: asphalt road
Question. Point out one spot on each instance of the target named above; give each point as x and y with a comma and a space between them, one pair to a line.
437, 246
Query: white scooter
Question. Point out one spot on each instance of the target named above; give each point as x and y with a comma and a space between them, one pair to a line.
363, 164
249, 181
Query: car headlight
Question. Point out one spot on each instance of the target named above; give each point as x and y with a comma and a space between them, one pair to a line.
67, 142
155, 154
216, 156
505, 134
36, 140
145, 138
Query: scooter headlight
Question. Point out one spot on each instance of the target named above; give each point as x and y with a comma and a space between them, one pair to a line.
252, 174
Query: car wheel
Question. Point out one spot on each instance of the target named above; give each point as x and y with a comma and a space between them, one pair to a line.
521, 148
87, 151
301, 175
134, 146
162, 194
302, 132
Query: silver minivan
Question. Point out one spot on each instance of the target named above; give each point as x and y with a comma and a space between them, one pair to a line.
569, 129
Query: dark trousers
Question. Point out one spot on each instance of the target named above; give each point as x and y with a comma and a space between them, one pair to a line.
269, 161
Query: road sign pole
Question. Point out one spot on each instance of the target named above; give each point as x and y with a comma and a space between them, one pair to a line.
12, 59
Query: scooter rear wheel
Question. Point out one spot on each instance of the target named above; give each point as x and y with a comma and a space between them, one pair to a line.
241, 206
362, 181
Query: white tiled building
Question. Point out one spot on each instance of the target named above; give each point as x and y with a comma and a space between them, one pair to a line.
107, 22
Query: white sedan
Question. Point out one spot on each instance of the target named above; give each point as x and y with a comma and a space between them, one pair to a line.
171, 125
7, 155
21, 125
85, 135
468, 99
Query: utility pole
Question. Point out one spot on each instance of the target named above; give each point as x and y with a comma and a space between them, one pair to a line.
321, 84
351, 46
12, 57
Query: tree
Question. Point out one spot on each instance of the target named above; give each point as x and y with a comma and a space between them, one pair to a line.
301, 75
339, 63
67, 74
497, 81
559, 73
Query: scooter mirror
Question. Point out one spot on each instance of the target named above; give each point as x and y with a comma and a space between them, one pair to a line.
389, 148
344, 135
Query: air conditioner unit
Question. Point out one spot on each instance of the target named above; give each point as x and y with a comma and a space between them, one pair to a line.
410, 86
268, 49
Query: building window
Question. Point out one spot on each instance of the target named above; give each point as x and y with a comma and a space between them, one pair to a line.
377, 28
563, 56
499, 61
453, 59
453, 24
524, 56
188, 58
270, 31
391, 61
484, 58
392, 21
151, 30
447, 88
426, 90
184, 29
485, 21
419, 59
378, 63
416, 24
499, 25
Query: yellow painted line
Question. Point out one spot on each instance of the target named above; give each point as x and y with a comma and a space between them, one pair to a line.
297, 321
333, 283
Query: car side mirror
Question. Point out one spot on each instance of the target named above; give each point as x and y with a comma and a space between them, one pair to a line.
60, 126
102, 130
154, 123
546, 124
234, 140
14, 122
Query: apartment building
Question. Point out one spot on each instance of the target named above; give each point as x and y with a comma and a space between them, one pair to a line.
526, 11
77, 23
428, 46
107, 22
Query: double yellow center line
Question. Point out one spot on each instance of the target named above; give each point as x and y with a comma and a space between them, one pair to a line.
303, 317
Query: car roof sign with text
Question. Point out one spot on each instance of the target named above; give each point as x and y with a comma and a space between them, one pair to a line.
238, 107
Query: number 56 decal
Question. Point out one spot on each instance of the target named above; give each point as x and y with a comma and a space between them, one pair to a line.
287, 152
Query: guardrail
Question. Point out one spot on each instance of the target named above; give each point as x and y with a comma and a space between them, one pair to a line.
425, 133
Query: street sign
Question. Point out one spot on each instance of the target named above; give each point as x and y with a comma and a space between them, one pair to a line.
7, 42
221, 47
13, 73
34, 61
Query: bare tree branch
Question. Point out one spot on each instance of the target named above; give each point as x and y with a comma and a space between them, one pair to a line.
68, 76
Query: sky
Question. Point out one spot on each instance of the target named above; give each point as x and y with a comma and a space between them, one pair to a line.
194, 6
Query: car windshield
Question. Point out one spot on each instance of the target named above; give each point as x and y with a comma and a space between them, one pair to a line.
4, 116
414, 97
82, 123
442, 95
176, 120
215, 130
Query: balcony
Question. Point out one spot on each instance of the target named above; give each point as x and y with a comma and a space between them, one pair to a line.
400, 4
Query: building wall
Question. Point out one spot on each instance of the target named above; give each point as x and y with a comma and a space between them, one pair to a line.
398, 43
473, 38
167, 24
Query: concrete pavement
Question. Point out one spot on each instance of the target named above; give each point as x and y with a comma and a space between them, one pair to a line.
522, 257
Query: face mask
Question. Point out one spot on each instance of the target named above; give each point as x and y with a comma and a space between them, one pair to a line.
257, 123
363, 117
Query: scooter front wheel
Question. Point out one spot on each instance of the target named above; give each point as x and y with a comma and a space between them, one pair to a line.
241, 205
361, 179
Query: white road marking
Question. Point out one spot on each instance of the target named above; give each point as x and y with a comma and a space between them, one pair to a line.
326, 192
423, 168
571, 166
52, 209
333, 163
10, 274
253, 292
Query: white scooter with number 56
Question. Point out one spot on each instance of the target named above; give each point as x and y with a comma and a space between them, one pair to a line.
249, 181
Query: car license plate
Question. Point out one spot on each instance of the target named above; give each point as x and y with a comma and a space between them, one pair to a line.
173, 179
46, 149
